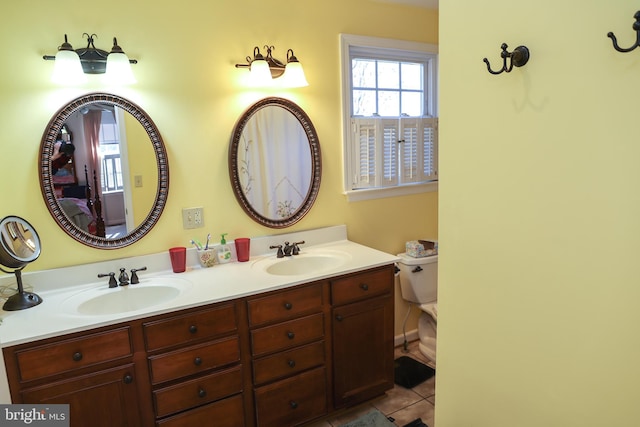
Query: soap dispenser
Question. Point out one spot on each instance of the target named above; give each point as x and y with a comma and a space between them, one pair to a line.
224, 253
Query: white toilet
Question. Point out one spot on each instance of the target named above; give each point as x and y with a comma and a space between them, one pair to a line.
419, 285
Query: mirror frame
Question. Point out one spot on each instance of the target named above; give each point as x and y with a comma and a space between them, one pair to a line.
316, 161
46, 182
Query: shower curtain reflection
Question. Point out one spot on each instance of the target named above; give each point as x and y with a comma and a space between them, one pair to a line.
274, 160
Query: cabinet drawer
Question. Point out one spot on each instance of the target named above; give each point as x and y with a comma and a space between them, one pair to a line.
292, 401
194, 359
288, 363
200, 391
190, 327
285, 305
287, 334
74, 353
361, 286
225, 413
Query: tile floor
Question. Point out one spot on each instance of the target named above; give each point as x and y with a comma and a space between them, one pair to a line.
404, 405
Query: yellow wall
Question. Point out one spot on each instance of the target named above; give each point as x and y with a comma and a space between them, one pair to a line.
539, 217
142, 163
189, 86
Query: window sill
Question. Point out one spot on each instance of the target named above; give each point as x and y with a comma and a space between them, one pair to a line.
380, 193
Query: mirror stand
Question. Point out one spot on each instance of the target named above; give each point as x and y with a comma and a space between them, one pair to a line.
21, 300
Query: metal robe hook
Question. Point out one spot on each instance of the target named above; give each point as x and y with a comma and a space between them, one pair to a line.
519, 57
636, 28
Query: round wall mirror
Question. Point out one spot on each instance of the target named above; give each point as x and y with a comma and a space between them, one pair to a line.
19, 245
104, 172
275, 162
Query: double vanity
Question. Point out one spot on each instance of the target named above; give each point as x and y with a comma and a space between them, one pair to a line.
269, 342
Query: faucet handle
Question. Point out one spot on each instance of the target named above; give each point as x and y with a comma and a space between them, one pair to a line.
134, 275
112, 279
296, 249
280, 254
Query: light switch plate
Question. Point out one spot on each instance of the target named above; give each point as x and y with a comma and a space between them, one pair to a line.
192, 218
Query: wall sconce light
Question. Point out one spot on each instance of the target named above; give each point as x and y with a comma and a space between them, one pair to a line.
71, 66
519, 57
636, 28
265, 69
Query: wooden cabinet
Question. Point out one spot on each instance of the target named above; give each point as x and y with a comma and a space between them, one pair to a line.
80, 370
288, 348
194, 366
362, 332
282, 358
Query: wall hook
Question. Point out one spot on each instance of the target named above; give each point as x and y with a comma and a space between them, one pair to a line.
519, 57
636, 28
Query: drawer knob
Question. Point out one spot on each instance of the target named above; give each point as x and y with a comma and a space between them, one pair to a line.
202, 393
339, 318
364, 286
77, 356
128, 379
293, 404
197, 361
288, 305
193, 329
291, 335
291, 363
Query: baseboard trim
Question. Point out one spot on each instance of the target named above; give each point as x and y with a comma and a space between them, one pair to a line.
411, 336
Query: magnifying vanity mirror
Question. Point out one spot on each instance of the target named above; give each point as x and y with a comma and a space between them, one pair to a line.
275, 162
104, 172
19, 245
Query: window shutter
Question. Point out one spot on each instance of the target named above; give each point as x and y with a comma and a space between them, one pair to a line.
375, 152
389, 151
430, 149
410, 150
364, 152
418, 155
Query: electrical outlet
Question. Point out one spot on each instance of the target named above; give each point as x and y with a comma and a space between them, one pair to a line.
192, 218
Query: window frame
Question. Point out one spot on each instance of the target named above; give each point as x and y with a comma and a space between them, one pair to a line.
383, 49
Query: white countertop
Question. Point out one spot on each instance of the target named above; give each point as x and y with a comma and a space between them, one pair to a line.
201, 285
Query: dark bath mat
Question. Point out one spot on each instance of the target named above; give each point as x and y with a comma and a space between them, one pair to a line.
416, 423
409, 372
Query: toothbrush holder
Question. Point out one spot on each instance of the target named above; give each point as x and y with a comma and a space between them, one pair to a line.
207, 257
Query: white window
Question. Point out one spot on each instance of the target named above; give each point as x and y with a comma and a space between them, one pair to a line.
111, 166
390, 117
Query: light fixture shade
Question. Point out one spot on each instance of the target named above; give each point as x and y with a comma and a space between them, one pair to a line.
260, 73
294, 75
119, 69
67, 69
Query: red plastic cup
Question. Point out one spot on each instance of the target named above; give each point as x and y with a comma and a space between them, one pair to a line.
243, 250
178, 257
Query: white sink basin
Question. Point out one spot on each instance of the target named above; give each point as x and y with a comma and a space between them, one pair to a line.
123, 299
304, 263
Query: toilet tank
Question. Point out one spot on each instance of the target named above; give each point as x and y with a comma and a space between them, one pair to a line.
418, 278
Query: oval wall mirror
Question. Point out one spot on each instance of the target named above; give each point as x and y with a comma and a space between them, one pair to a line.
104, 172
275, 162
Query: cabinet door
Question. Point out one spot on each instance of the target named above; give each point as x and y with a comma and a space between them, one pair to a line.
104, 399
362, 350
